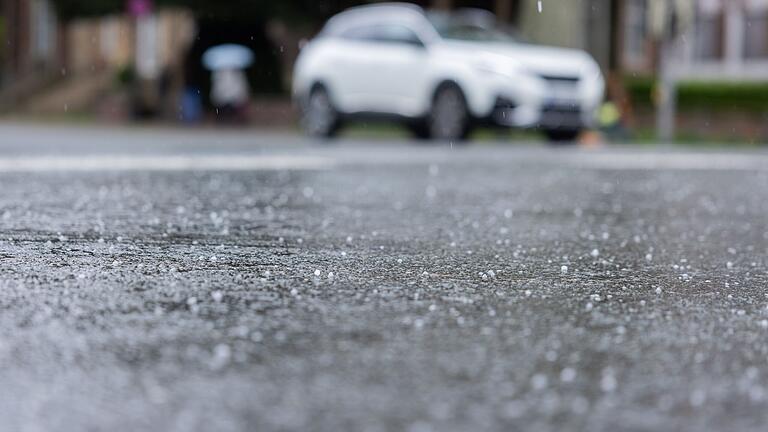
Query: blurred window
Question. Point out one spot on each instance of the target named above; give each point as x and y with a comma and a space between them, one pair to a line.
468, 27
636, 31
388, 33
709, 30
756, 29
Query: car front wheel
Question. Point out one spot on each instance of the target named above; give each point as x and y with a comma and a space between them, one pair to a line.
449, 119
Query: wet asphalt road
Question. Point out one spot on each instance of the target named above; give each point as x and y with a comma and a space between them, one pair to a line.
262, 282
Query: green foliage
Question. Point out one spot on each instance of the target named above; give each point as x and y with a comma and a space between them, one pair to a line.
706, 95
640, 90
126, 75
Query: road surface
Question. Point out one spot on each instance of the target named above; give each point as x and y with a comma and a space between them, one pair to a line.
203, 280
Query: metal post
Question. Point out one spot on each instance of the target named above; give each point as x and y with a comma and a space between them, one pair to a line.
667, 87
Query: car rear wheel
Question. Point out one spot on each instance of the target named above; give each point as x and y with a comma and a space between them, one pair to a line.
320, 118
562, 136
449, 119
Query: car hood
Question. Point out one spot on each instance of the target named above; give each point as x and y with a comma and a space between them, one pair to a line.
543, 60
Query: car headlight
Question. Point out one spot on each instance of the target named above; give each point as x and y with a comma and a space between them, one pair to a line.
490, 68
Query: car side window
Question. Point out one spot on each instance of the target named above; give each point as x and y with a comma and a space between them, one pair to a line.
384, 33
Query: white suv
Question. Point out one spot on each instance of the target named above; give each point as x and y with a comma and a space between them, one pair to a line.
441, 73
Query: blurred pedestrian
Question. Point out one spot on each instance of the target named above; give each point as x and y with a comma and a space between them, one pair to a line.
611, 122
230, 94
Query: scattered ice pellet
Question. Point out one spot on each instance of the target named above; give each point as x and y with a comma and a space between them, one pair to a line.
608, 382
658, 290
729, 265
568, 374
317, 272
330, 275
564, 269
217, 296
399, 260
595, 253
192, 301
221, 356
648, 257
539, 381
697, 398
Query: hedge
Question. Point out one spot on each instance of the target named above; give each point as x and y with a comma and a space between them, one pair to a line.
711, 95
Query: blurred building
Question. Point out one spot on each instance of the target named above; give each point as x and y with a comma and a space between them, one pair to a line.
30, 53
76, 60
720, 64
727, 40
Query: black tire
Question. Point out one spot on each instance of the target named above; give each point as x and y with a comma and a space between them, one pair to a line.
562, 136
449, 119
319, 118
419, 129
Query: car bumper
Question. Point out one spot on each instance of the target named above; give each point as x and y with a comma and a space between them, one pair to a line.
548, 115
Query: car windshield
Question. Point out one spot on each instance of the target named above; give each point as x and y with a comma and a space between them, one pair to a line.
469, 28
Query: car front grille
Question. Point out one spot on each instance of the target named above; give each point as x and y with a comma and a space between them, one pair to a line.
562, 88
561, 80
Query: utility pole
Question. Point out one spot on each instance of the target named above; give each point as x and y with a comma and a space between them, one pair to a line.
667, 86
668, 20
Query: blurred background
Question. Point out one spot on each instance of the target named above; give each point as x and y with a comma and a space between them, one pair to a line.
140, 60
